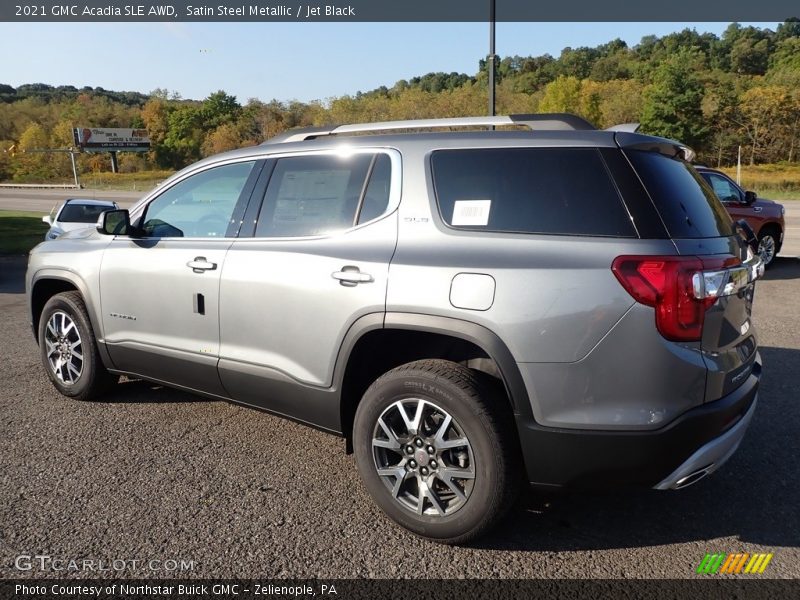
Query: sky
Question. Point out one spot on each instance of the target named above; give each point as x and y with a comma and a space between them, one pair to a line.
284, 61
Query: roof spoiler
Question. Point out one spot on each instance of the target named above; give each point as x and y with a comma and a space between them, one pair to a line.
629, 127
667, 147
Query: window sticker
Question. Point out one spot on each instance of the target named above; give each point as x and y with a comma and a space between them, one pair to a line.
471, 212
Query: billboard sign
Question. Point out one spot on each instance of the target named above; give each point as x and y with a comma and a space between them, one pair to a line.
95, 139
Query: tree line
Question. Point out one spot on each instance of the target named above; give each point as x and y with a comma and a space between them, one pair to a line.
715, 93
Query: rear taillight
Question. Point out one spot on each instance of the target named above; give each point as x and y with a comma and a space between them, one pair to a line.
675, 286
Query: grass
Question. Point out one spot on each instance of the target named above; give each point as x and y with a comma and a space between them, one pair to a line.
142, 181
780, 181
20, 231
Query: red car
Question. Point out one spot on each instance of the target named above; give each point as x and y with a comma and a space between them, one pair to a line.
764, 216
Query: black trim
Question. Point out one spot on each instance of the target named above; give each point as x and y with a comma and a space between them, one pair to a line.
250, 219
646, 218
478, 335
591, 458
237, 218
364, 187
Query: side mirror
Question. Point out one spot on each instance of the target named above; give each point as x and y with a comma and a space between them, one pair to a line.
115, 222
747, 233
47, 219
750, 197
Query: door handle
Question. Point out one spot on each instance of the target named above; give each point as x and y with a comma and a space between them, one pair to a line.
351, 276
757, 209
200, 264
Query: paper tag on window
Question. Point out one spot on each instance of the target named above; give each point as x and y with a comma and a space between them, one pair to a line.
471, 212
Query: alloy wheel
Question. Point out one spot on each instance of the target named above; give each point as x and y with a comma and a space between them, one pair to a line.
64, 347
766, 249
423, 457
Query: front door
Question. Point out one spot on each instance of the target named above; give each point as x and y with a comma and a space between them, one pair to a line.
160, 290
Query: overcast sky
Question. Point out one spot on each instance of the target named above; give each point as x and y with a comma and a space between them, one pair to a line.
302, 61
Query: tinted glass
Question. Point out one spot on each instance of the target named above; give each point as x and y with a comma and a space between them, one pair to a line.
723, 188
312, 195
530, 190
82, 213
687, 205
199, 206
376, 198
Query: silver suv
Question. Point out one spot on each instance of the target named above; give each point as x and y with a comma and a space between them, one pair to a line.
468, 309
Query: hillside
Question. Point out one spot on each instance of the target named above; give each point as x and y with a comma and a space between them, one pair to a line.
715, 93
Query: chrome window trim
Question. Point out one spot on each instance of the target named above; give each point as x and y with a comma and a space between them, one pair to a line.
395, 186
138, 210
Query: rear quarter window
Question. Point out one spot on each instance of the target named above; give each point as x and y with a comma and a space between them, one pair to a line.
688, 206
566, 191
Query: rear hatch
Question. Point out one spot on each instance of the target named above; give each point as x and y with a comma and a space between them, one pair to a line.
718, 268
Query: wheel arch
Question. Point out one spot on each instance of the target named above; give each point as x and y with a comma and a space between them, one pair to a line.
378, 343
47, 283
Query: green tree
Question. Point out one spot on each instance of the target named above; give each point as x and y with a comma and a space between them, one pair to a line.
673, 103
217, 109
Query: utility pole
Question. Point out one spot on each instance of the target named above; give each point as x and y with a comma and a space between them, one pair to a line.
491, 60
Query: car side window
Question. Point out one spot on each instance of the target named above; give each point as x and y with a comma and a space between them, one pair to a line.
315, 195
723, 188
199, 206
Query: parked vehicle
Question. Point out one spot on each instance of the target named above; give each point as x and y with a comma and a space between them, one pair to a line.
466, 308
76, 213
765, 217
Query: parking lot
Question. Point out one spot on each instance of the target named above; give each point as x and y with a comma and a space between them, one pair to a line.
155, 474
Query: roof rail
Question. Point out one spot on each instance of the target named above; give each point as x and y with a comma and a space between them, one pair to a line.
544, 122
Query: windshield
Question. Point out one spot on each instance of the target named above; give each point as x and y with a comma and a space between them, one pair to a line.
82, 213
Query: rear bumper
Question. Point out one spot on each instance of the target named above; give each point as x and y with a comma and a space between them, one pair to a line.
703, 437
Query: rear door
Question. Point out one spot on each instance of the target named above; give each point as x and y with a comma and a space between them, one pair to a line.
700, 226
317, 261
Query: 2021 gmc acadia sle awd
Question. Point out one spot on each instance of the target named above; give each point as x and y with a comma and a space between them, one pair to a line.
467, 308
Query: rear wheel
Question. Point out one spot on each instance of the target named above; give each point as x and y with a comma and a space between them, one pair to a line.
436, 449
68, 348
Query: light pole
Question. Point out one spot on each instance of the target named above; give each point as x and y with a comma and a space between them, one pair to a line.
490, 62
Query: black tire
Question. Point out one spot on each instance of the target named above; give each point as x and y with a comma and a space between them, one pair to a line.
770, 237
480, 414
92, 379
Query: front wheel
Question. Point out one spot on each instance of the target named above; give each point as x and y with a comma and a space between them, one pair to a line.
69, 350
767, 247
436, 447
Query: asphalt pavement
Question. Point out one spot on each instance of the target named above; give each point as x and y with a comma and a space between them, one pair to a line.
149, 473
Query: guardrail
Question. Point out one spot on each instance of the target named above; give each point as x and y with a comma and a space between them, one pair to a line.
41, 186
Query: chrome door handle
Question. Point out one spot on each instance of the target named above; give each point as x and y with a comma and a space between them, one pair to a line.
757, 209
200, 264
350, 276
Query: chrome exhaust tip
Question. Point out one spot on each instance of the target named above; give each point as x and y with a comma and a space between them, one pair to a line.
693, 477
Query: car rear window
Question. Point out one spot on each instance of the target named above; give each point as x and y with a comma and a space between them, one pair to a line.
687, 205
82, 213
565, 191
